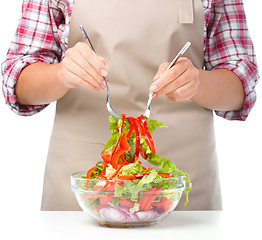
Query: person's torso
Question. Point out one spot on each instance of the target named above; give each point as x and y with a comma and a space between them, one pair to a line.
135, 38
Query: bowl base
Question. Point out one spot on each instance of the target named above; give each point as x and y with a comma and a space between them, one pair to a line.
126, 225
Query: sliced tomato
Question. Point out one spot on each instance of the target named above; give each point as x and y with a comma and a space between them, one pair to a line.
110, 187
87, 184
166, 203
105, 200
146, 202
126, 203
89, 196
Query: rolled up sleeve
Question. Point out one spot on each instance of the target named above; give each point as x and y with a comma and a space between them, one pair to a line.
229, 46
35, 40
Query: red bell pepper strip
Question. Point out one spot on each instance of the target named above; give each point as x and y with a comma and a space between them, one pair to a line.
133, 127
101, 177
90, 171
116, 172
101, 188
144, 122
124, 161
148, 169
106, 156
147, 201
140, 126
122, 148
126, 177
131, 122
112, 155
120, 136
142, 153
136, 155
140, 175
166, 175
102, 174
143, 128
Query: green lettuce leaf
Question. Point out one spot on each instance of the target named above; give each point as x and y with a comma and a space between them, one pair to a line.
131, 189
112, 124
136, 168
148, 178
153, 124
111, 142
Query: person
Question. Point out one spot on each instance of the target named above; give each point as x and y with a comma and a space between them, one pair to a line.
49, 61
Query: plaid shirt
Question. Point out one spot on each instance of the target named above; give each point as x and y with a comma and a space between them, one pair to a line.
42, 36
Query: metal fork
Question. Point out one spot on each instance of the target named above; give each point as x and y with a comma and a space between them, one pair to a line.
108, 105
181, 52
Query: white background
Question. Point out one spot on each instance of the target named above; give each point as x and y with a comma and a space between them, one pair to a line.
24, 140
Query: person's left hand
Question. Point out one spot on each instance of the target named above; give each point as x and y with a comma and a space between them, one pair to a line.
179, 83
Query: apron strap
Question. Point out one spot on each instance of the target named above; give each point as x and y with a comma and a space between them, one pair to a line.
186, 11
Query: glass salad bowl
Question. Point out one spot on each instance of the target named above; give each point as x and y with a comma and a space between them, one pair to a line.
127, 203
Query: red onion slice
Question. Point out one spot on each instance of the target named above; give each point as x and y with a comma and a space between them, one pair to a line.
118, 214
146, 216
132, 217
113, 214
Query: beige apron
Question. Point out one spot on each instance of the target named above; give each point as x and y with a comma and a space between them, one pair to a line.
135, 37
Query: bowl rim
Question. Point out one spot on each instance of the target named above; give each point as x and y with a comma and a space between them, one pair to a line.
111, 180
81, 173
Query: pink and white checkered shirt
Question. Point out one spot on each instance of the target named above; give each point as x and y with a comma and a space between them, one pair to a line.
42, 36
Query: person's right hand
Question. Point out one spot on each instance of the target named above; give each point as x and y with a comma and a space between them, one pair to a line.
83, 67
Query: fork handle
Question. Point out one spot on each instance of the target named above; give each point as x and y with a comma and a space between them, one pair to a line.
87, 38
182, 51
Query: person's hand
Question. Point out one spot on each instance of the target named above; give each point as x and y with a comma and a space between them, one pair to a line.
83, 67
179, 83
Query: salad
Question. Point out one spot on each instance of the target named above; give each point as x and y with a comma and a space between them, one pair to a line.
148, 193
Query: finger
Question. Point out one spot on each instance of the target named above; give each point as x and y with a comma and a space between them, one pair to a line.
162, 68
92, 58
183, 93
76, 70
86, 66
169, 77
102, 60
76, 81
182, 79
